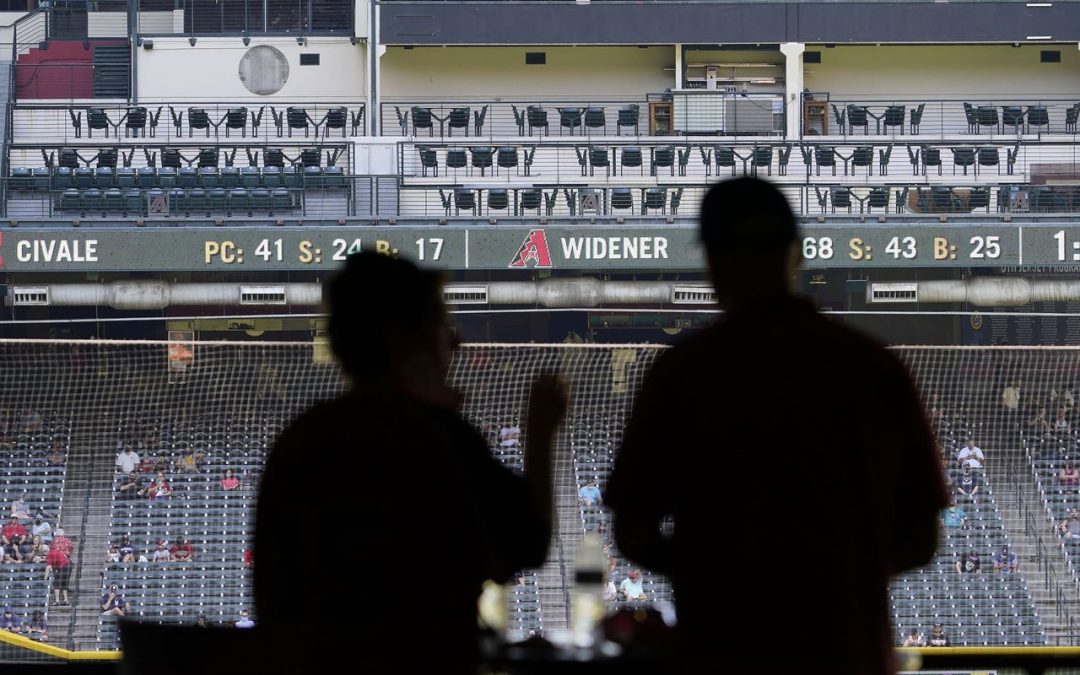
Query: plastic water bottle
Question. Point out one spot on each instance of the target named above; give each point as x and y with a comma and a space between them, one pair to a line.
587, 609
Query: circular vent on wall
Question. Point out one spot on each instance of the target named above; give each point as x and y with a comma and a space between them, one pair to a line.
264, 70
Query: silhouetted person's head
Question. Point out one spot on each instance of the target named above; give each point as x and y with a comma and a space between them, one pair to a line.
387, 320
751, 240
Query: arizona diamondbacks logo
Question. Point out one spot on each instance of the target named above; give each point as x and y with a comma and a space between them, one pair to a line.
533, 251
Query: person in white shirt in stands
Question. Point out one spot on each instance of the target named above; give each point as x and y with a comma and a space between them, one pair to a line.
915, 639
631, 587
972, 455
162, 553
508, 435
244, 621
127, 461
611, 593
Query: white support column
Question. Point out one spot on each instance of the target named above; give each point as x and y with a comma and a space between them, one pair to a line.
678, 67
375, 50
793, 85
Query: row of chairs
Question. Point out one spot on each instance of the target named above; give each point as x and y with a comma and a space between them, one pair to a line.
483, 158
572, 119
71, 158
892, 119
1011, 116
140, 121
751, 159
518, 201
667, 157
853, 116
535, 117
105, 178
135, 202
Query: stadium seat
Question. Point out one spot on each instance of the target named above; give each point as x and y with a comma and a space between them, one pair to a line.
628, 117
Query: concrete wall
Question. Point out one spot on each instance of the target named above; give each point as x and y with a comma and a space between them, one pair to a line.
926, 72
434, 73
176, 71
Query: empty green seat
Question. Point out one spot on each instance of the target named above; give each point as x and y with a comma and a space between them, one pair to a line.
146, 177
168, 177
125, 177
271, 177
70, 200
208, 177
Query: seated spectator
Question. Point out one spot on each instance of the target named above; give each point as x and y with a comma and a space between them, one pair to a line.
1005, 560
57, 455
39, 551
161, 554
127, 461
112, 555
589, 494
968, 563
248, 559
20, 510
244, 621
127, 551
1069, 478
971, 455
112, 603
148, 465
6, 441
129, 488
1061, 422
1070, 527
914, 639
10, 622
181, 550
31, 419
937, 637
12, 553
611, 593
968, 483
25, 549
13, 532
230, 481
159, 488
1040, 423
631, 586
189, 462
509, 435
934, 410
954, 516
201, 622
38, 628
41, 528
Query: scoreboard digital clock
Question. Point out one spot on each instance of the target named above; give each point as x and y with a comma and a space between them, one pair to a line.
523, 246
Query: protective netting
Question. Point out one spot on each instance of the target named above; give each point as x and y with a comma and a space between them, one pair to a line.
201, 417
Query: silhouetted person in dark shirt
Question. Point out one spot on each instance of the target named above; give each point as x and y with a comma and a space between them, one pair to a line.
773, 383
425, 513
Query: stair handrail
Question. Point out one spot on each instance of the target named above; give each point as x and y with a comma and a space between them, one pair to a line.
9, 105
